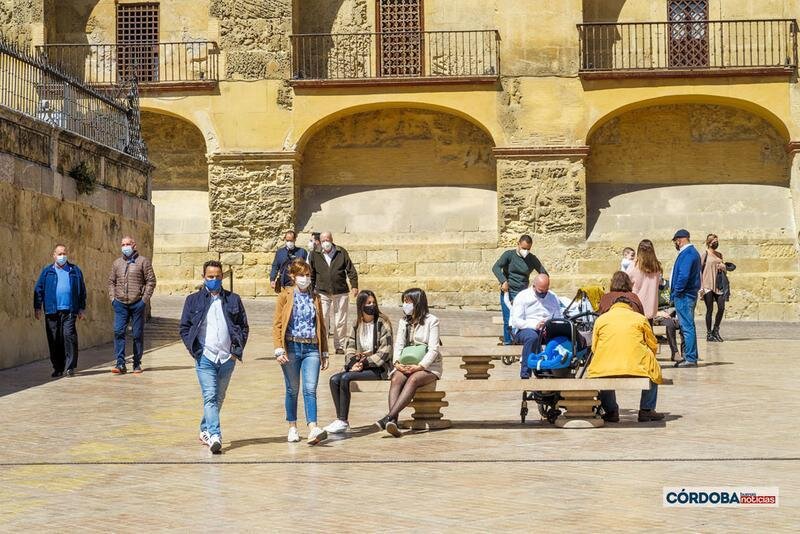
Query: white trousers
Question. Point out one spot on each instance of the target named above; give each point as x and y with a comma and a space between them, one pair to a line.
336, 322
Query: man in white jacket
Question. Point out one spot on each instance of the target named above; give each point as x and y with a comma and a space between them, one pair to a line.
532, 308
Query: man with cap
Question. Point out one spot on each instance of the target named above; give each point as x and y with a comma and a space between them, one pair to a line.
684, 288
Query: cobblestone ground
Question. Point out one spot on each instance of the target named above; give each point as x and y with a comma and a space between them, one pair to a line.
99, 452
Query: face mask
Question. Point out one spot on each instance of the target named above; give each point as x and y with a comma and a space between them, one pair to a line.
311, 245
540, 295
213, 285
677, 246
626, 263
61, 259
714, 245
290, 245
408, 308
302, 281
370, 309
327, 246
524, 253
127, 250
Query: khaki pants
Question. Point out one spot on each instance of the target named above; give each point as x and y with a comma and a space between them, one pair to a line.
337, 323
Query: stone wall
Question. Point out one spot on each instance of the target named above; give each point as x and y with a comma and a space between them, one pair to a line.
18, 20
41, 207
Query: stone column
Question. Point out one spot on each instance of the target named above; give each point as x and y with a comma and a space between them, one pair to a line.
541, 191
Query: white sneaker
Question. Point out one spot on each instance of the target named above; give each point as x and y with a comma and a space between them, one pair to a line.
317, 435
204, 437
294, 435
337, 427
214, 444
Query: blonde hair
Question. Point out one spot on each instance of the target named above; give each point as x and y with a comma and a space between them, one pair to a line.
646, 259
299, 267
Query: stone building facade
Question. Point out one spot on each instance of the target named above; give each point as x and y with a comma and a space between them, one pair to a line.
588, 123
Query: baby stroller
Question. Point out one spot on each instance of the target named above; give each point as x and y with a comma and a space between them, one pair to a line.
567, 352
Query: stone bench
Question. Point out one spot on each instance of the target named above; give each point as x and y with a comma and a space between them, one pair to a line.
580, 397
478, 359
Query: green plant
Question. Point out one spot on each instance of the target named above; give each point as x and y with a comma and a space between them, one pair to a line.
85, 178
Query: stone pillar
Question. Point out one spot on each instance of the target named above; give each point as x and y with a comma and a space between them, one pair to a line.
794, 186
541, 191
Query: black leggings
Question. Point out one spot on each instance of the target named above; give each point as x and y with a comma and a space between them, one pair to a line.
340, 388
710, 298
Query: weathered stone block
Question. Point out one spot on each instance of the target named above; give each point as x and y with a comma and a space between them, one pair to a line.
198, 258
231, 258
166, 260
381, 256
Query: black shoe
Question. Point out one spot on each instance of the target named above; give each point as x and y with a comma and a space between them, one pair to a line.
611, 417
392, 428
381, 423
339, 351
56, 374
710, 337
715, 332
650, 415
684, 363
70, 372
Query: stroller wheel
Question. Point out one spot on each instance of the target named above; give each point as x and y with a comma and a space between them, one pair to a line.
552, 415
523, 410
508, 360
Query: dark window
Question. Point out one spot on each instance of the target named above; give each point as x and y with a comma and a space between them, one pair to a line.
137, 41
688, 33
400, 39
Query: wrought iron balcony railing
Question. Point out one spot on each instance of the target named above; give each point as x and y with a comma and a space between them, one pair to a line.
395, 57
763, 46
179, 64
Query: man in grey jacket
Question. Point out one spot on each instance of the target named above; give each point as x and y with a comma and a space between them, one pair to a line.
130, 286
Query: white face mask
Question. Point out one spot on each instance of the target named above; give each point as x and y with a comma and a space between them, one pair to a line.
311, 245
302, 281
290, 245
524, 252
327, 246
626, 263
408, 308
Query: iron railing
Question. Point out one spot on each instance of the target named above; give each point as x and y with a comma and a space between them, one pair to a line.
32, 86
149, 63
689, 45
398, 55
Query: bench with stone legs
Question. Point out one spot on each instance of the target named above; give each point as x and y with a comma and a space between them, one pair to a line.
578, 404
477, 360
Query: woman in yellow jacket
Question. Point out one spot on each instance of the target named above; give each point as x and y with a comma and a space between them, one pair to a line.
624, 345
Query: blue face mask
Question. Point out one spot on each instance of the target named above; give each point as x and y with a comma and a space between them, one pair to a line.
213, 285
127, 250
61, 260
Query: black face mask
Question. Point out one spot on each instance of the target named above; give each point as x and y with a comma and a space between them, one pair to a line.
677, 246
370, 309
714, 245
540, 295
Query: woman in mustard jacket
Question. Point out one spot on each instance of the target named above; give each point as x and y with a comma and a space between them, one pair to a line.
301, 347
624, 345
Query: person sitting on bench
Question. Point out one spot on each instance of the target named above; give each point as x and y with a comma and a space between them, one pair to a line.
624, 345
532, 308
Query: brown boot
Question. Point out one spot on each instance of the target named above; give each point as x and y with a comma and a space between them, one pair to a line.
650, 415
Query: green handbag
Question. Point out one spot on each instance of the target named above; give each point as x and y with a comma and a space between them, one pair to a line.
413, 354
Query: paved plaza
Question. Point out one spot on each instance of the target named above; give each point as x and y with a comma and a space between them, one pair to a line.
99, 452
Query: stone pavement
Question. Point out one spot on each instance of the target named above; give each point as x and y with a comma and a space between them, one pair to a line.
99, 452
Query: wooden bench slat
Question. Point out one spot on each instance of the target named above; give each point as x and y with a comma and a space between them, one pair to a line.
477, 350
518, 384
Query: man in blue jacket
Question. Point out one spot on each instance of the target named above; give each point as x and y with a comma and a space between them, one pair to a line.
214, 329
61, 291
284, 256
684, 288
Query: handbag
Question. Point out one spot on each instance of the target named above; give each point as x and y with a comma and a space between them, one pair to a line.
412, 354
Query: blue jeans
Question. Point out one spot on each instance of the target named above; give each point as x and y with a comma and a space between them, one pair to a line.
122, 314
529, 338
684, 306
214, 379
304, 359
507, 338
608, 399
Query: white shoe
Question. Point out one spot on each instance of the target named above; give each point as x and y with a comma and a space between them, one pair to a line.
337, 427
294, 435
214, 444
317, 435
204, 437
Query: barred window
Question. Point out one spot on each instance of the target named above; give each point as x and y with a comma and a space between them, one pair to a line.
400, 25
137, 40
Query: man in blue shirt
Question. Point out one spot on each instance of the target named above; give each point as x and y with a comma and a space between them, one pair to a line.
684, 289
61, 292
284, 256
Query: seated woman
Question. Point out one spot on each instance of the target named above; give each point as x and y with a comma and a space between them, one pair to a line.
624, 345
367, 356
621, 286
417, 360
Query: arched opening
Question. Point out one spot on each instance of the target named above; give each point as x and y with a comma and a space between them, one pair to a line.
180, 182
400, 175
705, 167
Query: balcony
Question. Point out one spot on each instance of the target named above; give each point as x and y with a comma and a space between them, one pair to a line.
157, 66
400, 58
688, 49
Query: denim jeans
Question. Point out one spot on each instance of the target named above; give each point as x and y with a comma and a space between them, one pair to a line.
507, 338
304, 359
122, 314
684, 306
529, 338
608, 399
214, 379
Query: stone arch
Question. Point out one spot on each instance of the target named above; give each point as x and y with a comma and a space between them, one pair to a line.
706, 166
406, 174
177, 149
